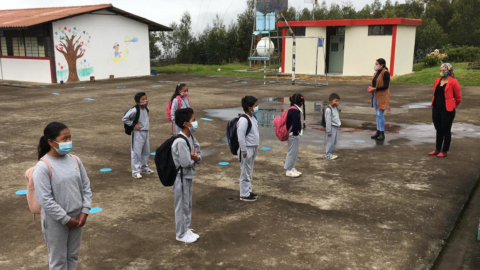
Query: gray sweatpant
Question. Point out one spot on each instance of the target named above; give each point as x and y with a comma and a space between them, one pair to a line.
292, 154
140, 151
246, 166
183, 205
331, 142
63, 244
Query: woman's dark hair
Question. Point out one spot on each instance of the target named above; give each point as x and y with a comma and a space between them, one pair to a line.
299, 100
51, 132
177, 91
247, 102
139, 95
182, 116
382, 62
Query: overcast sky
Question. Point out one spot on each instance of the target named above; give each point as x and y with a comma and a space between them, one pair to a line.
167, 11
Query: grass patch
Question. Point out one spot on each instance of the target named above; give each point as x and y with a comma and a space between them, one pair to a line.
429, 75
209, 70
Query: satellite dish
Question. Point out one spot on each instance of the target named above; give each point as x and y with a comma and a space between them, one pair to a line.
265, 47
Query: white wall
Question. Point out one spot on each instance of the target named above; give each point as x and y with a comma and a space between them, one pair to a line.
306, 52
361, 51
405, 49
99, 33
28, 70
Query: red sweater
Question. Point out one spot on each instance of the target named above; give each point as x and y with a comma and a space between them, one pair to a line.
453, 95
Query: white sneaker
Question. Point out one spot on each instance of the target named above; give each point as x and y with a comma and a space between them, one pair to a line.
149, 171
137, 176
295, 170
292, 174
334, 157
193, 234
188, 238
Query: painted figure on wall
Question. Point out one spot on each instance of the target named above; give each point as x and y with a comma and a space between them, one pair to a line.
120, 55
117, 53
72, 48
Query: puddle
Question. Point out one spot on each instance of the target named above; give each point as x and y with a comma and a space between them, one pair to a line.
354, 134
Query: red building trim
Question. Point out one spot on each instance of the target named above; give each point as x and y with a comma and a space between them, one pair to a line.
394, 49
35, 58
284, 33
360, 22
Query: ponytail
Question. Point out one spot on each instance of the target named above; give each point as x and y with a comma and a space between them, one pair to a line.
177, 91
51, 132
298, 99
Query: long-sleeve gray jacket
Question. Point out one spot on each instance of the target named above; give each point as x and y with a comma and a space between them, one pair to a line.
181, 155
332, 118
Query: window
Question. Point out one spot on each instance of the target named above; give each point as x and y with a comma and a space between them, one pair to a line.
3, 44
32, 42
299, 31
18, 45
341, 31
380, 30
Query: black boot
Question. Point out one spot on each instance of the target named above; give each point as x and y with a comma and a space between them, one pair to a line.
376, 135
381, 137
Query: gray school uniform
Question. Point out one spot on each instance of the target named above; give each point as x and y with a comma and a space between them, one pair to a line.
333, 123
183, 188
184, 104
293, 147
140, 151
249, 145
66, 195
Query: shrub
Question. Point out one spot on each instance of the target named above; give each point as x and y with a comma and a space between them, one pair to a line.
431, 61
463, 54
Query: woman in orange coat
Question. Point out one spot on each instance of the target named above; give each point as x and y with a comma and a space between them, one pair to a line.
446, 97
380, 89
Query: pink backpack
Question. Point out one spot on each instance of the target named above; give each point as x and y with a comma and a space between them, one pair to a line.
169, 107
280, 124
31, 198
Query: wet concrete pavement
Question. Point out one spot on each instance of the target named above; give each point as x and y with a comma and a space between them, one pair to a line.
387, 206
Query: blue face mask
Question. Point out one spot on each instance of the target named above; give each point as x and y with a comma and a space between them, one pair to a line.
64, 148
194, 127
255, 110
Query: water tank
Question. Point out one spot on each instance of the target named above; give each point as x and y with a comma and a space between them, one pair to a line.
265, 47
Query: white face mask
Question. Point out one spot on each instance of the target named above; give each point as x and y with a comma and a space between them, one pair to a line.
376, 68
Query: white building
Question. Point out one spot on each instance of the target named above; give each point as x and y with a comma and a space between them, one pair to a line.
351, 46
50, 45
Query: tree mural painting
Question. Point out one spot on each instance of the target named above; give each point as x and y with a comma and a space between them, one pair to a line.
72, 48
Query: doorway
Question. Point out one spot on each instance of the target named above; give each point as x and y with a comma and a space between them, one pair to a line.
335, 49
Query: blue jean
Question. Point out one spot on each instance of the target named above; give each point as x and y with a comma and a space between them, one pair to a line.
380, 115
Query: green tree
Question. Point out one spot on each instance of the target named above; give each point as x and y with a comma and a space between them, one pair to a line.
348, 11
365, 13
464, 26
322, 12
376, 9
335, 12
305, 15
155, 51
430, 36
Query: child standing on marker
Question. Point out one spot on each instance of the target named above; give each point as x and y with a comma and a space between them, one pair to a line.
185, 156
294, 123
179, 100
62, 189
140, 136
333, 123
248, 147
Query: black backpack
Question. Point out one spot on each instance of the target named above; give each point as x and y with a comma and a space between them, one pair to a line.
129, 129
232, 136
324, 122
167, 171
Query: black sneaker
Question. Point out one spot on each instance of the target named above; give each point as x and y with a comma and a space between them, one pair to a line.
254, 195
250, 198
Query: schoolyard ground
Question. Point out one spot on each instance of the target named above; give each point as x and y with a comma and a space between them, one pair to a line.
379, 206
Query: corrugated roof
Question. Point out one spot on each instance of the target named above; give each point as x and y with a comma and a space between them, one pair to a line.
21, 18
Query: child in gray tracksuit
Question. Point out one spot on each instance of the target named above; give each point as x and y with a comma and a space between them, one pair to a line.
64, 195
333, 123
181, 91
140, 136
248, 147
185, 156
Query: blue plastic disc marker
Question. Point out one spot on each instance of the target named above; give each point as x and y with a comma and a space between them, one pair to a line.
157, 86
265, 148
152, 154
106, 170
206, 119
56, 94
359, 141
43, 86
89, 99
223, 163
95, 210
121, 87
79, 87
21, 192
